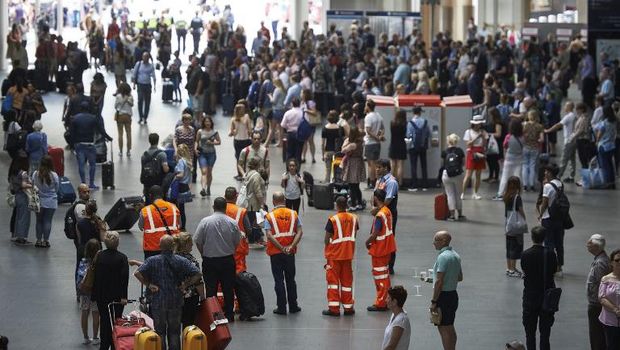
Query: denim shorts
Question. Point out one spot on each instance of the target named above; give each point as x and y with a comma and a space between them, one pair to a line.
207, 159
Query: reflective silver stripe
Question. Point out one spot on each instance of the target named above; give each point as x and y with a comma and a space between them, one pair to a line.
332, 286
293, 221
382, 277
274, 226
333, 303
340, 238
156, 229
346, 289
175, 210
238, 216
149, 216
343, 239
347, 306
380, 268
338, 227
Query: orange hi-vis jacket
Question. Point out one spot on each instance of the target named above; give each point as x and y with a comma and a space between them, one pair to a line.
342, 243
154, 224
385, 243
238, 214
283, 223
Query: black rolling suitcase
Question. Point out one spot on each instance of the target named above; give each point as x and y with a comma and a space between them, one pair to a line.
107, 172
249, 295
124, 213
167, 89
309, 180
323, 196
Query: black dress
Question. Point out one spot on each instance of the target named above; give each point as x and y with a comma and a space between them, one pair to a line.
398, 148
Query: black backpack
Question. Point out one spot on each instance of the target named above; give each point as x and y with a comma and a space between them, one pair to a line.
420, 135
16, 141
151, 173
453, 163
560, 206
71, 221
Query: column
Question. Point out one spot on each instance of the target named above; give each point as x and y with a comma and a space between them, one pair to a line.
459, 19
59, 17
299, 14
582, 10
520, 13
4, 31
37, 11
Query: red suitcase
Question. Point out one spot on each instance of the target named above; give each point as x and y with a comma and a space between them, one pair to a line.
58, 158
211, 320
441, 207
124, 329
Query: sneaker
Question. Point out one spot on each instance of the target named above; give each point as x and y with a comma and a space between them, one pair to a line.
462, 196
497, 198
359, 207
120, 154
93, 187
513, 273
279, 312
203, 193
13, 239
413, 189
451, 218
46, 244
95, 341
294, 310
352, 209
579, 183
462, 218
238, 177
424, 189
128, 153
373, 308
39, 244
476, 196
330, 313
86, 341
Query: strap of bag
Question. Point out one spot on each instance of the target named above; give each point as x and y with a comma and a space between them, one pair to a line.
162, 219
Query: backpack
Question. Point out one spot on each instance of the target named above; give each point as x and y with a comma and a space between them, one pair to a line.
151, 173
16, 141
560, 206
304, 130
420, 135
71, 221
453, 163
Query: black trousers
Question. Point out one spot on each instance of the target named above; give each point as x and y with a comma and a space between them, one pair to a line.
493, 162
588, 91
393, 255
414, 155
595, 327
105, 328
283, 270
612, 337
144, 100
293, 204
190, 309
256, 234
181, 34
356, 194
534, 316
196, 38
220, 270
293, 146
586, 150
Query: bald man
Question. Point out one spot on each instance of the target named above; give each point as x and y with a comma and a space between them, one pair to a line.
447, 273
166, 276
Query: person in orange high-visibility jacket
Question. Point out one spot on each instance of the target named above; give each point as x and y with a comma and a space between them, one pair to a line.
243, 222
340, 232
381, 244
157, 219
283, 230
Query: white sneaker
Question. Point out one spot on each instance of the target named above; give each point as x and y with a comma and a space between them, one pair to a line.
86, 341
424, 189
95, 341
412, 189
462, 196
476, 196
558, 274
120, 154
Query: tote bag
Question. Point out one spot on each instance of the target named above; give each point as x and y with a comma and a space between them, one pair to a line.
515, 223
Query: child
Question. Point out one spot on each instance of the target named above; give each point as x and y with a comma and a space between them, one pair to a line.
293, 185
91, 250
514, 241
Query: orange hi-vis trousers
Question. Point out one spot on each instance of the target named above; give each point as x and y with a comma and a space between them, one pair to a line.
381, 275
339, 285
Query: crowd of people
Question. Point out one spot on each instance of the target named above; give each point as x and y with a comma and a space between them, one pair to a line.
278, 95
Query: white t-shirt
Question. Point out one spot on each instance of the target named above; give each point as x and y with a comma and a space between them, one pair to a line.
401, 320
597, 116
471, 134
568, 122
374, 121
549, 193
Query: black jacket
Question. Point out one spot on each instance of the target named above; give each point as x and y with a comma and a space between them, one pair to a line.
538, 272
111, 277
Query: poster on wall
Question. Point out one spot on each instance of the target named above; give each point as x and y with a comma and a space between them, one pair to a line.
610, 46
603, 15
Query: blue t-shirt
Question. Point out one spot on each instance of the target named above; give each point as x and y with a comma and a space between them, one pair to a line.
608, 138
448, 262
182, 167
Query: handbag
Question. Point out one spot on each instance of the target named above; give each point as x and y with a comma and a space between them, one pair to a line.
34, 202
243, 198
492, 146
515, 223
86, 286
435, 316
592, 178
479, 156
10, 199
316, 119
551, 296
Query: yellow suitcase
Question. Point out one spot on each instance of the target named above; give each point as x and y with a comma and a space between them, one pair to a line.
146, 339
194, 339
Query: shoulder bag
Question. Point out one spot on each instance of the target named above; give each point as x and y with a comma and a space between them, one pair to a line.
515, 223
86, 286
551, 296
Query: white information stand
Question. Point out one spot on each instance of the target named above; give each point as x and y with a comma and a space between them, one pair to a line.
457, 113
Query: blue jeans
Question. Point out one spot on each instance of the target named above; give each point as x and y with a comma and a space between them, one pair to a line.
528, 174
607, 165
167, 323
44, 223
85, 152
22, 215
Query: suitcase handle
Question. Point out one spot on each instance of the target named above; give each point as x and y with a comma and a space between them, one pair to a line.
111, 313
218, 319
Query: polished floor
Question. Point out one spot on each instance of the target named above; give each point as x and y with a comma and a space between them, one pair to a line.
38, 309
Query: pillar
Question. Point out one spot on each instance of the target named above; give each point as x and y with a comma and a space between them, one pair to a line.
37, 11
299, 13
59, 17
582, 10
460, 16
4, 30
520, 13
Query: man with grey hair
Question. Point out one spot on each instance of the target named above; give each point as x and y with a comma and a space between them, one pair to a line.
598, 269
166, 276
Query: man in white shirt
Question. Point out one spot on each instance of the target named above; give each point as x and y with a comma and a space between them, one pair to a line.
290, 123
554, 238
373, 125
597, 115
570, 145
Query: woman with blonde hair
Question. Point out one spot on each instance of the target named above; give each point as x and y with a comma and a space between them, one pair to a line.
423, 87
191, 294
183, 175
452, 176
241, 131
